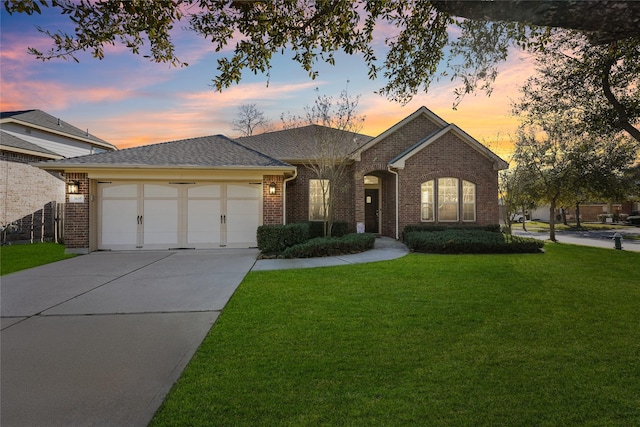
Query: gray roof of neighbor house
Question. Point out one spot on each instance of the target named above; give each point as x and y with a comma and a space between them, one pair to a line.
44, 120
298, 144
216, 151
9, 140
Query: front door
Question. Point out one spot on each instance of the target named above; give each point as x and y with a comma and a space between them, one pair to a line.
371, 212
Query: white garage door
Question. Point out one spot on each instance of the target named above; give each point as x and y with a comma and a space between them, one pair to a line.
174, 215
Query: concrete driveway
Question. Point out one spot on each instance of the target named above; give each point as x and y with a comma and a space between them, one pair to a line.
100, 339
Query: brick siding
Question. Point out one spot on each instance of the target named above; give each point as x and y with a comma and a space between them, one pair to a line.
76, 225
28, 197
272, 203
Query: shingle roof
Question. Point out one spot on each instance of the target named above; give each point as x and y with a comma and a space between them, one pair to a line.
206, 151
298, 144
9, 140
45, 120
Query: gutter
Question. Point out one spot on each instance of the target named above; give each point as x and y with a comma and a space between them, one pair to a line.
397, 203
284, 195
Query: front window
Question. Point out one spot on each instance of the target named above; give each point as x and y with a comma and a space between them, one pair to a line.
426, 199
318, 199
447, 199
468, 201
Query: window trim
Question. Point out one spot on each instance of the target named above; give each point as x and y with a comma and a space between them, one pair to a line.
460, 203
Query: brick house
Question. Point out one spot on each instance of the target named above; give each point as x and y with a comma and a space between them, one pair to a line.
29, 195
214, 191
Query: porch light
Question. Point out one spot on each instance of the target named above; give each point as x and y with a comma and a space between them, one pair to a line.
73, 187
272, 188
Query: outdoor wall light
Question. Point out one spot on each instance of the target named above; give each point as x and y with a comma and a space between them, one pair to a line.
272, 188
73, 187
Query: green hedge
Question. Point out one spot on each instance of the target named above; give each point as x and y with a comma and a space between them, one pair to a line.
457, 241
495, 228
331, 246
316, 229
276, 238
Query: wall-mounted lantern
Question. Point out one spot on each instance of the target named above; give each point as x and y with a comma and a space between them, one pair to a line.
272, 188
73, 187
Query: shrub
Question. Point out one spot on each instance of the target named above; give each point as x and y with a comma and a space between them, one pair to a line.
316, 229
276, 238
495, 228
331, 246
456, 241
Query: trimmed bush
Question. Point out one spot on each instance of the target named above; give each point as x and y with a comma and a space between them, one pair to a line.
316, 229
495, 228
276, 238
457, 241
331, 246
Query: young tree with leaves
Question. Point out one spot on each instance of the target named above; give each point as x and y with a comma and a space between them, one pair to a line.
335, 125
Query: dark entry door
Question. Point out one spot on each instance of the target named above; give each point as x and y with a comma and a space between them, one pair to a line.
371, 211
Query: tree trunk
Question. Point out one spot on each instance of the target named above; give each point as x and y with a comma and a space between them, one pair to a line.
564, 216
524, 219
578, 225
620, 110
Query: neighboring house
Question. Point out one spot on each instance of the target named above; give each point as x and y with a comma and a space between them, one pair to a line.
29, 195
212, 192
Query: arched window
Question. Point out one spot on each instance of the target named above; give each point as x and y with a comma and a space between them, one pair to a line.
447, 199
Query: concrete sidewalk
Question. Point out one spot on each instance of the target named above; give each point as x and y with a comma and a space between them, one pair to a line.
385, 248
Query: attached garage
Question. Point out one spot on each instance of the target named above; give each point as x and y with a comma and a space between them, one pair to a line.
201, 193
171, 215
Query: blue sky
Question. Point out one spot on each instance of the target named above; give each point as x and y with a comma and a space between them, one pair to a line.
129, 101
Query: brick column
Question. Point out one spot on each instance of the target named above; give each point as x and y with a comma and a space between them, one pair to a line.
272, 213
76, 222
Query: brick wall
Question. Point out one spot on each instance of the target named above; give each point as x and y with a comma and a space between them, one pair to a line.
76, 225
298, 197
272, 203
27, 195
449, 157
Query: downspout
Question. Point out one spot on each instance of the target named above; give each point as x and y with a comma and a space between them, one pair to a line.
284, 195
397, 204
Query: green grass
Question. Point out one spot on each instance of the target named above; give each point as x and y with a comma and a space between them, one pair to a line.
440, 340
20, 257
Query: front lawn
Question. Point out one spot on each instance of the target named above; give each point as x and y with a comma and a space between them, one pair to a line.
20, 257
446, 340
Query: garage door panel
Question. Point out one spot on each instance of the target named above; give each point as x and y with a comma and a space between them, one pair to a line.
203, 222
243, 190
119, 223
157, 190
160, 222
242, 221
212, 190
120, 190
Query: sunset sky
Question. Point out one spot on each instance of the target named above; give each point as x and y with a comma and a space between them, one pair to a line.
128, 101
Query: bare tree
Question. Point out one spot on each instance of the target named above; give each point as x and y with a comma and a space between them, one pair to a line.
250, 119
335, 126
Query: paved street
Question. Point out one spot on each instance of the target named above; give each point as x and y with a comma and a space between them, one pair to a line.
600, 239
